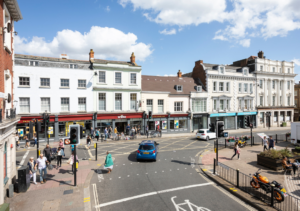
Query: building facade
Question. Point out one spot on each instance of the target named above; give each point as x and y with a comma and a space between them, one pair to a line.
9, 13
297, 102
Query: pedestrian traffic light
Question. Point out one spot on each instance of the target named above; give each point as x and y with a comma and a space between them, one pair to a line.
212, 127
38, 126
74, 135
150, 114
220, 128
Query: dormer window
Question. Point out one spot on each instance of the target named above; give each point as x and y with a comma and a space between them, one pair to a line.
73, 66
222, 70
179, 88
199, 88
245, 72
33, 63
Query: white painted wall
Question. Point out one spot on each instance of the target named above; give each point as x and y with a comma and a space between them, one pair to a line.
55, 93
185, 101
155, 97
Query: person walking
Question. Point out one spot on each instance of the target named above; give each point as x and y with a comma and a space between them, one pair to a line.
41, 163
47, 152
92, 132
35, 139
60, 153
105, 134
17, 141
109, 132
27, 142
61, 144
88, 141
265, 140
271, 143
72, 158
128, 130
236, 150
116, 130
147, 130
32, 169
109, 164
97, 134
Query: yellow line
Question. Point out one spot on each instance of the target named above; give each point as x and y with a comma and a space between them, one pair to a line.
86, 201
188, 145
86, 198
170, 144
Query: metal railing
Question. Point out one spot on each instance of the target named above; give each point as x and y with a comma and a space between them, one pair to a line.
242, 181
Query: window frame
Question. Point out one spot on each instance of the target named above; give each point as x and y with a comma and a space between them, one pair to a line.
104, 93
273, 84
178, 104
214, 86
177, 88
245, 72
62, 104
221, 82
245, 88
130, 80
49, 104
130, 101
46, 82
65, 87
261, 84
24, 81
251, 88
115, 81
101, 71
81, 87
148, 105
78, 103
121, 101
160, 105
240, 87
227, 88
34, 63
22, 112
199, 88
261, 68
74, 66
261, 100
221, 70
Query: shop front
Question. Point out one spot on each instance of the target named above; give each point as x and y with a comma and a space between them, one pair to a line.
200, 121
227, 118
242, 118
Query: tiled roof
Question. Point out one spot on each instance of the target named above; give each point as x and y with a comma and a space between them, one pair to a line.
167, 84
52, 59
252, 57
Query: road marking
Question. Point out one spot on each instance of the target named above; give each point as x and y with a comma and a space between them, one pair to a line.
151, 194
96, 197
86, 193
23, 159
100, 176
188, 145
170, 144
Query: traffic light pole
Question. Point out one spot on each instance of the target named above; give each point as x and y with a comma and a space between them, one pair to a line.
75, 164
217, 142
37, 137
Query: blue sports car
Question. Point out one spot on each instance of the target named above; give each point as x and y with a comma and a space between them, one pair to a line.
147, 151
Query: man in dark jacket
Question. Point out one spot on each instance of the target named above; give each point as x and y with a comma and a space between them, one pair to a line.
47, 152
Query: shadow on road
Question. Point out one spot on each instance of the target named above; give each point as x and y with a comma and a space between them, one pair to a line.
184, 162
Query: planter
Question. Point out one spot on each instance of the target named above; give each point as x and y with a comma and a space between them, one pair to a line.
274, 164
296, 150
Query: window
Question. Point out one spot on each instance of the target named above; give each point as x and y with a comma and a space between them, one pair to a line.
289, 100
215, 105
261, 100
179, 88
82, 83
240, 104
273, 84
261, 117
33, 63
24, 81
221, 104
222, 70
160, 104
273, 102
289, 70
118, 101
240, 87
280, 100
273, 69
24, 105
228, 105
64, 104
199, 105
81, 104
149, 104
280, 70
73, 66
246, 88
246, 104
101, 77
177, 106
251, 88
221, 84
64, 83
288, 85
261, 84
215, 86
199, 88
261, 68
102, 101
296, 92
45, 104
245, 71
227, 86
133, 101
133, 78
45, 82
118, 78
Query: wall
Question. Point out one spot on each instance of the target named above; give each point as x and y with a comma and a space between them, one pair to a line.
185, 100
155, 97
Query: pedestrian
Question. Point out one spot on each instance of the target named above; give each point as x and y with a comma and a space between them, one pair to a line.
88, 141
288, 165
47, 152
109, 132
92, 132
32, 169
60, 153
265, 140
128, 129
147, 130
27, 142
41, 163
97, 133
105, 134
109, 164
157, 127
35, 139
236, 150
72, 158
271, 143
17, 141
61, 144
116, 130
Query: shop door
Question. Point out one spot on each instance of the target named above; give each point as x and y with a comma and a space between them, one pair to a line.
195, 124
268, 121
240, 121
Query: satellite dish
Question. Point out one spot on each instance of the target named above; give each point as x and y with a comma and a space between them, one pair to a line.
8, 98
8, 27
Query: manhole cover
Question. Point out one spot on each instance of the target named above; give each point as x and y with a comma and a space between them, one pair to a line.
68, 192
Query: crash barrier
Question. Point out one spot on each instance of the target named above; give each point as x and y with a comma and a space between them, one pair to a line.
242, 181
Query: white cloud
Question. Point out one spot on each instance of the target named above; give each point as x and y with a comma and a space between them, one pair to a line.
296, 61
108, 43
245, 43
247, 18
166, 32
107, 9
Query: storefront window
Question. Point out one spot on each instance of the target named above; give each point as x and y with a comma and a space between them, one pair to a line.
182, 123
230, 122
288, 116
171, 124
275, 116
103, 125
136, 124
61, 129
164, 125
152, 125
281, 115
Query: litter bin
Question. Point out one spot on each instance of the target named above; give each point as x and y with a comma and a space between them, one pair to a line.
225, 134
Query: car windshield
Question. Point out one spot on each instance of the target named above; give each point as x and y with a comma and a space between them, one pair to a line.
146, 147
200, 131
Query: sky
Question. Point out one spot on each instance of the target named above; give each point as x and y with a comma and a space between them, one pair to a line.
165, 35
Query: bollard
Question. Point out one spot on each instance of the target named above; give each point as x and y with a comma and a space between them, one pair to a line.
95, 146
214, 165
237, 178
39, 152
272, 195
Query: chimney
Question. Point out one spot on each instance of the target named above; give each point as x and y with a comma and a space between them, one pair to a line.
179, 74
91, 55
201, 61
261, 54
132, 58
63, 56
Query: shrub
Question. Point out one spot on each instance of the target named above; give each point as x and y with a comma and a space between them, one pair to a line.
276, 154
297, 148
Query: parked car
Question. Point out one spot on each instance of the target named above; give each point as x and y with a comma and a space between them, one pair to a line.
147, 150
205, 134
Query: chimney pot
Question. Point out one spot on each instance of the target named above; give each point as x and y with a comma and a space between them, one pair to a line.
132, 58
179, 74
91, 54
201, 61
261, 55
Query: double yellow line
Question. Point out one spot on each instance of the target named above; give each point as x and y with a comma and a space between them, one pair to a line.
86, 199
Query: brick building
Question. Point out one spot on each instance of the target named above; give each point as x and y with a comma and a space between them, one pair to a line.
9, 13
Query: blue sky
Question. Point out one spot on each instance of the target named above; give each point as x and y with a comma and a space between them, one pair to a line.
219, 32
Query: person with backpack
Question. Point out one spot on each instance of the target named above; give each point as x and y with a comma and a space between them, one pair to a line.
97, 134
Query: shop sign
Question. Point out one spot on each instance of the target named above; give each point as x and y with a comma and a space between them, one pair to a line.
121, 117
164, 116
222, 114
197, 115
164, 125
50, 130
246, 113
20, 132
176, 124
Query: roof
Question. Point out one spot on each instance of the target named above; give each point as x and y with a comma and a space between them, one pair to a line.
147, 142
101, 61
167, 84
14, 9
51, 59
252, 57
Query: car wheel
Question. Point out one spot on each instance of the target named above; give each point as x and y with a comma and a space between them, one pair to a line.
207, 138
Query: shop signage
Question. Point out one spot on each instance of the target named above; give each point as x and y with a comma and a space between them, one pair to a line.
20, 132
155, 116
222, 114
197, 115
176, 124
164, 125
246, 113
121, 117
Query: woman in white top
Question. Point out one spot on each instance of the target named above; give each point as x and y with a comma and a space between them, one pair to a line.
265, 140
60, 153
236, 150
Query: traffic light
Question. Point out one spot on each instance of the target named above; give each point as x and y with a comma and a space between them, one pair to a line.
247, 122
150, 114
74, 135
44, 119
220, 129
30, 135
38, 126
212, 127
81, 131
47, 119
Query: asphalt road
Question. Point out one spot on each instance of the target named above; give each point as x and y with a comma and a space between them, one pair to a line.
161, 185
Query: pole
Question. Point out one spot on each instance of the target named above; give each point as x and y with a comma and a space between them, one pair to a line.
251, 136
96, 152
217, 149
214, 166
75, 162
272, 195
148, 128
37, 137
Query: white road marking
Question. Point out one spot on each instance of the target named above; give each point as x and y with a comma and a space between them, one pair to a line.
177, 169
119, 177
152, 193
123, 164
189, 204
146, 173
23, 159
100, 175
137, 174
97, 206
127, 175
155, 172
163, 171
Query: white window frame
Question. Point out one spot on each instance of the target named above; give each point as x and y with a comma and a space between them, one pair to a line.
43, 110
104, 76
273, 84
227, 88
251, 88
80, 87
245, 88
43, 85
261, 68
214, 86
289, 70
22, 110
261, 84
135, 79
160, 106
135, 103
115, 78
104, 109
221, 86
34, 63
221, 70
221, 106
64, 87
199, 88
288, 85
177, 88
240, 87
148, 106
178, 104
215, 104
273, 69
73, 66
79, 104
121, 101
245, 72
20, 81
62, 104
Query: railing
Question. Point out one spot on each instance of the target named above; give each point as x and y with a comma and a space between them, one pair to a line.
10, 113
242, 181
